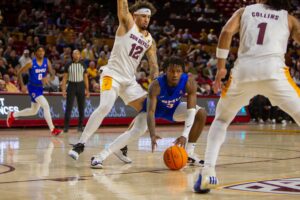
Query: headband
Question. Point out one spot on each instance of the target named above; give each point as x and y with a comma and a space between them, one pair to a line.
143, 11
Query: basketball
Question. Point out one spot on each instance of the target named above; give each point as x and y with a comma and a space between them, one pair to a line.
175, 157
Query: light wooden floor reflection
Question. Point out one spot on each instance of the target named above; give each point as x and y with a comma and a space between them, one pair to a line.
34, 165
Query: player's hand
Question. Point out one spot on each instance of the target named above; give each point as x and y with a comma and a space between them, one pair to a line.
23, 89
217, 86
153, 141
46, 81
181, 141
64, 94
87, 94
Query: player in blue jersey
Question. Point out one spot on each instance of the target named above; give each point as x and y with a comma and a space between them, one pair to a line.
164, 101
38, 69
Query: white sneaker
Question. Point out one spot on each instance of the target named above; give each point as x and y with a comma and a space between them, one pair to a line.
96, 163
273, 121
207, 180
122, 155
195, 161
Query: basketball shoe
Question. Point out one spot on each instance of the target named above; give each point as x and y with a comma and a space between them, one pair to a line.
10, 119
56, 132
195, 161
76, 150
207, 180
96, 162
122, 155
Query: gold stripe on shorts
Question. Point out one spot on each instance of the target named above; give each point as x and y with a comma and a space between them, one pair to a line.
225, 89
291, 81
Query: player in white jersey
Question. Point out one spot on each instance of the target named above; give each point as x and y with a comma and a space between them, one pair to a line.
132, 42
264, 28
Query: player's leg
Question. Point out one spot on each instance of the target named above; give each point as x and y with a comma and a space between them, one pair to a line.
195, 132
108, 96
138, 128
11, 116
229, 104
42, 101
69, 105
286, 95
33, 93
134, 96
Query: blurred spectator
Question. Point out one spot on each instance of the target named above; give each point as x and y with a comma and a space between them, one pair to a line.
10, 87
25, 58
87, 53
102, 60
92, 70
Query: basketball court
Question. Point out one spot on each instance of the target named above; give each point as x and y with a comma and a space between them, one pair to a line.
256, 162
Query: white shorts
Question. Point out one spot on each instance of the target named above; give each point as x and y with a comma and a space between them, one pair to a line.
181, 112
283, 93
128, 91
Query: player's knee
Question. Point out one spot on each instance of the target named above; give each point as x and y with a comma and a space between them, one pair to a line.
103, 109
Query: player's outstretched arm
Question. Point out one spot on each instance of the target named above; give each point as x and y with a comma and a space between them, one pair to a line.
191, 89
228, 31
152, 60
294, 25
154, 91
20, 78
125, 17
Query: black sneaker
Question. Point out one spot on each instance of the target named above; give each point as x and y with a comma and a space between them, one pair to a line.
194, 160
76, 150
122, 155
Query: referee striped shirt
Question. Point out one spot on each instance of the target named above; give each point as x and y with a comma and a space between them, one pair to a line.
75, 71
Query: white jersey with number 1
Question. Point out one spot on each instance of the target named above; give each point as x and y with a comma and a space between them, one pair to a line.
126, 55
264, 36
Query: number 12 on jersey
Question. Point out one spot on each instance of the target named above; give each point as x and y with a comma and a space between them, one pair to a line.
135, 51
262, 31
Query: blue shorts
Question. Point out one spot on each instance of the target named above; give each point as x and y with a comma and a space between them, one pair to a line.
34, 91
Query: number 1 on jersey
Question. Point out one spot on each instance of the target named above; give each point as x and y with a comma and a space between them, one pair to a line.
135, 51
261, 35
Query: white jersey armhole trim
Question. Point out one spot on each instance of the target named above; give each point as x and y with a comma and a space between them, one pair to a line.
134, 26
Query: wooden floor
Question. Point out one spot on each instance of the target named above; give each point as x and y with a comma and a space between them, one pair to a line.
256, 162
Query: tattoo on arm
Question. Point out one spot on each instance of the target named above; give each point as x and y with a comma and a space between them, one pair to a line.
152, 59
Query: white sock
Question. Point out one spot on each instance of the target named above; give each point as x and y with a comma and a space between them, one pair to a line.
139, 128
190, 148
42, 101
215, 138
28, 111
107, 100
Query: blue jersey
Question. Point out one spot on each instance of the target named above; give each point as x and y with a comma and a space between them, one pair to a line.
37, 72
169, 97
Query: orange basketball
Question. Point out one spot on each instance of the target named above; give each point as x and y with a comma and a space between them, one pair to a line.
175, 157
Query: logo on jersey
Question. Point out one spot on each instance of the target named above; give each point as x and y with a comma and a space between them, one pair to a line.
170, 103
278, 186
140, 41
40, 70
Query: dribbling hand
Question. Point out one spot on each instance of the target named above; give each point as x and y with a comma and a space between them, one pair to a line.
181, 141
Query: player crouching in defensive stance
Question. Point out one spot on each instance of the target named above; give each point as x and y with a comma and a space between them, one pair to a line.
164, 101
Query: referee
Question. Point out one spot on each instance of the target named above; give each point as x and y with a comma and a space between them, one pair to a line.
78, 85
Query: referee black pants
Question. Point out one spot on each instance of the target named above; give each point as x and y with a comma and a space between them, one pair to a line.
75, 89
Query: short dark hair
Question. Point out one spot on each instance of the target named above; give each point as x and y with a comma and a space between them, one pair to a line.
142, 4
38, 47
279, 4
173, 60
